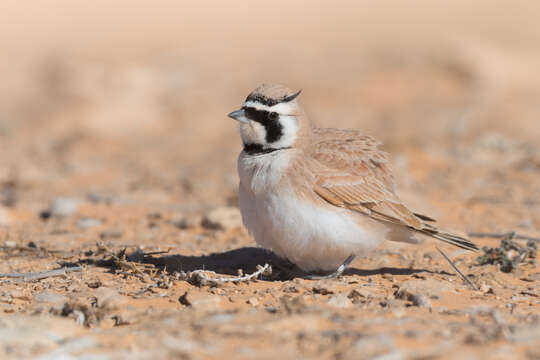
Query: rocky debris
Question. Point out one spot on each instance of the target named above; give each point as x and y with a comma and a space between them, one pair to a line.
222, 218
61, 207
325, 287
199, 299
109, 298
50, 299
10, 244
488, 325
179, 346
253, 301
361, 293
184, 222
371, 347
486, 289
21, 295
111, 234
418, 292
86, 223
526, 334
509, 254
294, 305
22, 335
340, 301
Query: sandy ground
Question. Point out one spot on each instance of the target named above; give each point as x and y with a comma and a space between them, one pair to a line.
116, 151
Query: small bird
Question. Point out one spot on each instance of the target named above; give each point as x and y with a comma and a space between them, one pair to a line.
315, 196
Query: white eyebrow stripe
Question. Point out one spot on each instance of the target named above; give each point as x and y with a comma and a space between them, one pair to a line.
280, 108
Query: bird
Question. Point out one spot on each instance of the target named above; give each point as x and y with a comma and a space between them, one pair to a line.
318, 197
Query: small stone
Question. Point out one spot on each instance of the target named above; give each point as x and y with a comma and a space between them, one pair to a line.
179, 346
199, 299
253, 301
94, 284
63, 206
340, 301
420, 300
109, 298
222, 218
325, 287
183, 222
486, 289
49, 298
87, 223
417, 291
526, 334
19, 294
360, 292
10, 244
111, 234
371, 347
430, 288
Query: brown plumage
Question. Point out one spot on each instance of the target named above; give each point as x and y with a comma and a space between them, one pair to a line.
352, 172
316, 196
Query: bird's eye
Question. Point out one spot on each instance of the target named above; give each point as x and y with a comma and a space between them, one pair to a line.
273, 116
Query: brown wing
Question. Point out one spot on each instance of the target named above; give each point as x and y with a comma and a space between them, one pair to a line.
351, 171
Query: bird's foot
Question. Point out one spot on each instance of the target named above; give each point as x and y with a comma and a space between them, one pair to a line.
336, 273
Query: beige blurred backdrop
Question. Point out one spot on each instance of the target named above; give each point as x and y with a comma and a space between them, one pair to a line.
108, 96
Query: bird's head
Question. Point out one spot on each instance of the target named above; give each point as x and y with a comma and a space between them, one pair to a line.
271, 118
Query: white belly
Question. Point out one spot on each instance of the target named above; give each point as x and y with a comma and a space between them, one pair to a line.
314, 237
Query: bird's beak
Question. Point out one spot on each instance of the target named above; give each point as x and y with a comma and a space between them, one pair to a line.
239, 115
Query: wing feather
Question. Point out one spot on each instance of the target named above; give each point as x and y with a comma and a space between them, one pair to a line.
352, 172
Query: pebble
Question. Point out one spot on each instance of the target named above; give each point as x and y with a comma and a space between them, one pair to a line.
371, 347
199, 299
325, 287
253, 301
87, 223
109, 298
63, 206
25, 336
49, 298
486, 289
340, 301
222, 218
414, 295
183, 222
361, 292
10, 244
19, 294
429, 288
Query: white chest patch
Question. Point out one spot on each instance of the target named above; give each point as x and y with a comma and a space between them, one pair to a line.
314, 237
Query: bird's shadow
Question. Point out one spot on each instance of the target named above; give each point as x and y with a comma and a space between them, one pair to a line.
247, 258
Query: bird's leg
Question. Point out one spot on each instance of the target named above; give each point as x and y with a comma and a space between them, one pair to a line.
336, 273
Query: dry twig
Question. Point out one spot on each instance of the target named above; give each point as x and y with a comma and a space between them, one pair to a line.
199, 277
466, 279
30, 276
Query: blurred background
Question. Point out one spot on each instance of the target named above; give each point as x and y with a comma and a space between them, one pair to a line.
127, 101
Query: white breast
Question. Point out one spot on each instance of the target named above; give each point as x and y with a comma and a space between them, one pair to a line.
313, 236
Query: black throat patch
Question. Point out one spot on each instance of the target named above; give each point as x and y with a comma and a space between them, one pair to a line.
270, 121
258, 149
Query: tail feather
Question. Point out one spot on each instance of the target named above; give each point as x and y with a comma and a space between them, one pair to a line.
424, 217
449, 238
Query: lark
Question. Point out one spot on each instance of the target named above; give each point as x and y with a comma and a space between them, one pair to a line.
318, 197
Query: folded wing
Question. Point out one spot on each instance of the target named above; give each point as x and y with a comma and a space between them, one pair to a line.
352, 172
